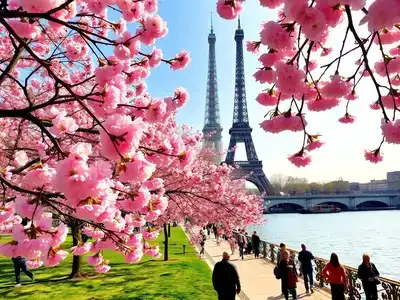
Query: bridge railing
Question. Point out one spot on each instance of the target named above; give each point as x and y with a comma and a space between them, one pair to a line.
388, 289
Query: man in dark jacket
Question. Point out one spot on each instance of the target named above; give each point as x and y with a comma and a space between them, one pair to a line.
225, 279
369, 274
305, 258
255, 243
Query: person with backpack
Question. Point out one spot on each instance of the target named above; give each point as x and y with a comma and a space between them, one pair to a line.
288, 275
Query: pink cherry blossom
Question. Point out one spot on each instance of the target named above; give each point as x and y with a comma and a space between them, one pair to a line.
229, 9
271, 3
373, 156
347, 119
270, 59
95, 260
137, 170
20, 158
155, 57
81, 249
266, 75
355, 4
333, 15
25, 29
316, 144
391, 131
276, 37
283, 122
375, 106
267, 99
382, 14
336, 88
62, 125
390, 101
34, 264
38, 177
103, 267
54, 257
126, 135
60, 235
181, 60
253, 47
290, 79
300, 159
323, 104
134, 257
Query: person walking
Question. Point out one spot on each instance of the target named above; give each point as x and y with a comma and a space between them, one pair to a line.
369, 276
232, 244
305, 258
248, 244
241, 243
225, 279
288, 276
282, 247
215, 231
255, 243
336, 276
20, 265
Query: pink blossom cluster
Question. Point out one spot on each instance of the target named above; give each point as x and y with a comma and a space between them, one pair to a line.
303, 71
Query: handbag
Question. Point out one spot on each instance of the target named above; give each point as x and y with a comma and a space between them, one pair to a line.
277, 273
376, 280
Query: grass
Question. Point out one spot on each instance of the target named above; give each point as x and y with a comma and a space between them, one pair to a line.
184, 276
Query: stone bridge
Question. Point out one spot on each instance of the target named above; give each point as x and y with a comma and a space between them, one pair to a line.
345, 202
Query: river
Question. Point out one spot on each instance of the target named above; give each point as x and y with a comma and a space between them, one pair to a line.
349, 234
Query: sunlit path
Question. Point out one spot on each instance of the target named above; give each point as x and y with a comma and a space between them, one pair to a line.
256, 275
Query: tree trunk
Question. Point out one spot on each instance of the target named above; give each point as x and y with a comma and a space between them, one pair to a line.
76, 238
165, 242
169, 230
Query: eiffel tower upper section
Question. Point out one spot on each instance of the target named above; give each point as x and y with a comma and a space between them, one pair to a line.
240, 131
212, 120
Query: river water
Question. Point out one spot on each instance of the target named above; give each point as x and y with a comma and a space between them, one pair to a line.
349, 234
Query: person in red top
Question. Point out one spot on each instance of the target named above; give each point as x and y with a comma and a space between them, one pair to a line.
336, 276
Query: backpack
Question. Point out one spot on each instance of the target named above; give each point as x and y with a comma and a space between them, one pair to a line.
277, 273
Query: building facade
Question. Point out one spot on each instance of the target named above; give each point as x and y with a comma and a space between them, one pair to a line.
393, 180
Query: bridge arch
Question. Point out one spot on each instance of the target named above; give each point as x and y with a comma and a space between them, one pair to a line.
372, 204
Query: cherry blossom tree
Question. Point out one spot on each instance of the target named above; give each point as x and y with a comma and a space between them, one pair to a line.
300, 69
78, 128
204, 193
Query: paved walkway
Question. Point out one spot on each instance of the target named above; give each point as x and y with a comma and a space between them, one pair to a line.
256, 275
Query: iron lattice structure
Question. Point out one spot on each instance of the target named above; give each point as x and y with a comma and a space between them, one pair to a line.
212, 125
241, 130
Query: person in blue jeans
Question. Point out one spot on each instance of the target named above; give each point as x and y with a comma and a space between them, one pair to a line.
305, 258
20, 265
241, 242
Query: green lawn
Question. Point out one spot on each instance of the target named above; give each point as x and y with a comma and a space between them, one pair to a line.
184, 276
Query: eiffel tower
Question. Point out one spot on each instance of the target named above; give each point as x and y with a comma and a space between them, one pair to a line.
241, 130
212, 125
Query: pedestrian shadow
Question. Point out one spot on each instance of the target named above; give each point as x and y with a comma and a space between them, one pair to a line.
275, 297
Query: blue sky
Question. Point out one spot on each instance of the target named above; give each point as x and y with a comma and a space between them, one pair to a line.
342, 155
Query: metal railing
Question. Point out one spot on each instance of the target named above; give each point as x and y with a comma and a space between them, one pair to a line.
388, 289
